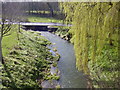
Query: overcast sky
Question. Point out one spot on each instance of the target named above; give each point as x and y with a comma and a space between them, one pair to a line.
59, 0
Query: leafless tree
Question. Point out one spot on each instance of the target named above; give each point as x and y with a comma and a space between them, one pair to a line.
43, 6
11, 12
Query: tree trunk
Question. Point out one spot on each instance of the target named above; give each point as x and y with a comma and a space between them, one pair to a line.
29, 7
1, 57
51, 9
18, 31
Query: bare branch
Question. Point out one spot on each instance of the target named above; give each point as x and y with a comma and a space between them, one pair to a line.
7, 29
6, 35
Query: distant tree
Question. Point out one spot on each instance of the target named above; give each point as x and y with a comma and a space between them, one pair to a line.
11, 12
51, 9
43, 6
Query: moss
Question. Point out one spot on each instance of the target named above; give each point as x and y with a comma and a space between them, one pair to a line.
57, 77
55, 49
58, 86
54, 64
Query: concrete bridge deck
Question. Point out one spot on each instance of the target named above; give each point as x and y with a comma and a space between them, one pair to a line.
42, 24
38, 26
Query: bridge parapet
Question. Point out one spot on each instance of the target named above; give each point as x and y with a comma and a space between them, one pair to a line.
39, 28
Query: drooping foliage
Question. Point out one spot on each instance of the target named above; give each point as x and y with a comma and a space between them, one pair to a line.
95, 34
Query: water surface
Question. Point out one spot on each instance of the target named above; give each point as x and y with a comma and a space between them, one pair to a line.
70, 77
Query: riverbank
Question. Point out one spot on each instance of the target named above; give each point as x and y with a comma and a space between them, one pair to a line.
10, 41
63, 32
103, 63
103, 78
70, 77
29, 62
95, 34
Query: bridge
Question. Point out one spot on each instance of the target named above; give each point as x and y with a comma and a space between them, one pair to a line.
41, 26
37, 26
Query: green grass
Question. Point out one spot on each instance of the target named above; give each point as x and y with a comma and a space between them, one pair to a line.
26, 62
43, 19
9, 41
43, 12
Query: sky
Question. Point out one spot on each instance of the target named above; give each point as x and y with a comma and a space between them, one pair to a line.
59, 0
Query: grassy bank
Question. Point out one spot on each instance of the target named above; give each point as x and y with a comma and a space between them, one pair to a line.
105, 71
43, 19
9, 41
27, 61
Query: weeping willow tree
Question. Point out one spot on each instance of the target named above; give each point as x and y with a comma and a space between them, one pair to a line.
95, 32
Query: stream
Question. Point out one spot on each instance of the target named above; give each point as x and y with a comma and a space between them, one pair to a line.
70, 77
